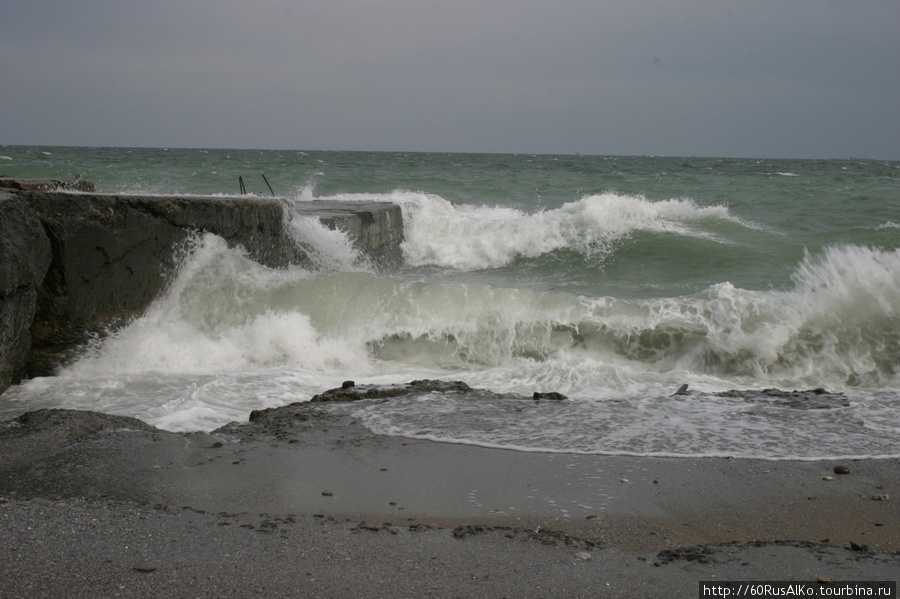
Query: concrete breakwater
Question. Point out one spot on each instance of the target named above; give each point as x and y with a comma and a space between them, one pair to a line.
72, 265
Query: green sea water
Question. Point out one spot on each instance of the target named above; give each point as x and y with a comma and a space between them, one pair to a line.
610, 279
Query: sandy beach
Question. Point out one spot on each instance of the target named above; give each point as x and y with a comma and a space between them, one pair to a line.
305, 502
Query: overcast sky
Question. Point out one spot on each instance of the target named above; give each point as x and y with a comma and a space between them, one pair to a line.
754, 78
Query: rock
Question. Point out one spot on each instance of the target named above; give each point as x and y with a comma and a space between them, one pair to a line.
842, 469
550, 395
812, 399
76, 424
356, 393
282, 421
258, 414
145, 568
583, 556
881, 497
682, 390
828, 478
699, 553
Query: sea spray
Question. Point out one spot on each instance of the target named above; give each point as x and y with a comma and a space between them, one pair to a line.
468, 237
328, 249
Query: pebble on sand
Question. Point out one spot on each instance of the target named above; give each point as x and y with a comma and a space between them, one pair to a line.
146, 568
583, 556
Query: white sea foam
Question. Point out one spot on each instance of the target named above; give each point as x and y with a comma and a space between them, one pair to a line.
839, 327
655, 425
329, 249
468, 237
231, 336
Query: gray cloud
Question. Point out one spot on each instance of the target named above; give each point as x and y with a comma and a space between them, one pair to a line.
678, 77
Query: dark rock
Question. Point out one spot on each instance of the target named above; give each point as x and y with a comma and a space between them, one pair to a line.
698, 553
145, 568
682, 390
72, 424
347, 384
286, 422
842, 469
357, 393
812, 399
550, 395
461, 532
257, 414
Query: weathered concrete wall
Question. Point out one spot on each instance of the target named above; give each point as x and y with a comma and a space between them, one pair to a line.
73, 184
24, 259
72, 265
111, 255
375, 227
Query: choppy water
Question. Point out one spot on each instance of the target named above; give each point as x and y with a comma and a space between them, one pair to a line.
610, 279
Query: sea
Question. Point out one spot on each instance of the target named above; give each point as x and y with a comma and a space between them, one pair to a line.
613, 280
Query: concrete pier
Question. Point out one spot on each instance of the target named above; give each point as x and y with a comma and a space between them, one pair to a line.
73, 265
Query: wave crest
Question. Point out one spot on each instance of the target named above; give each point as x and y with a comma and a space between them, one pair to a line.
466, 237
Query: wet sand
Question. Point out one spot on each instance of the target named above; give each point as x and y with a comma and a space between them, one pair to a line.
304, 502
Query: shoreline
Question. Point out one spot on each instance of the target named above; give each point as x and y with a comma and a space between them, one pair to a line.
581, 522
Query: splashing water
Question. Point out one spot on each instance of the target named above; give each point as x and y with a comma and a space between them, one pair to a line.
614, 298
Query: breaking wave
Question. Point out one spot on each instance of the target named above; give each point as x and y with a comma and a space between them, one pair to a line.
467, 237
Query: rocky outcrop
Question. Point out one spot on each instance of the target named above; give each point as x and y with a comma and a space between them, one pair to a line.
810, 399
71, 424
73, 265
285, 416
351, 392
